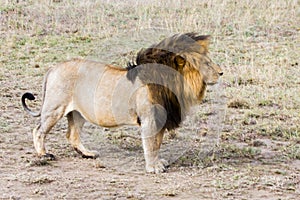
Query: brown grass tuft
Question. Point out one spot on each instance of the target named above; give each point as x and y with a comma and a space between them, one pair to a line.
239, 104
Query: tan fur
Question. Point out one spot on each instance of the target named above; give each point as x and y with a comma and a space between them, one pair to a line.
156, 93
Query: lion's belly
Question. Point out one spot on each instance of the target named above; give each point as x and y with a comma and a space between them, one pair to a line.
103, 97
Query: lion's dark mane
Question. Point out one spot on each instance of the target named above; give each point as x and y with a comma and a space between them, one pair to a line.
153, 65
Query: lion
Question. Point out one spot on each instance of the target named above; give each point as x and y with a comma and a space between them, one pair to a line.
155, 92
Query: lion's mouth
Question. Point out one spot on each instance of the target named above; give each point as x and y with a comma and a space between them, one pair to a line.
211, 82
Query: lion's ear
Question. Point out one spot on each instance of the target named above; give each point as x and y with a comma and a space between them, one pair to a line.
204, 41
180, 61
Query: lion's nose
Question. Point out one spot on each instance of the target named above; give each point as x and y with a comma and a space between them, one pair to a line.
220, 73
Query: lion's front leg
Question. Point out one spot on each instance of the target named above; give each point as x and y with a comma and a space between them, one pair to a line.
152, 138
153, 118
151, 146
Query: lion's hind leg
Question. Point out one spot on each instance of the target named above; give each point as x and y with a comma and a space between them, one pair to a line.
75, 123
40, 132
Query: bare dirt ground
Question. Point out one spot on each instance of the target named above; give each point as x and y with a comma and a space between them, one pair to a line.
243, 142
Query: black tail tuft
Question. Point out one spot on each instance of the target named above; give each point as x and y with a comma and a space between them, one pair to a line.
30, 97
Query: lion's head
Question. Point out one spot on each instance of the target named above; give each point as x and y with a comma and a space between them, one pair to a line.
176, 71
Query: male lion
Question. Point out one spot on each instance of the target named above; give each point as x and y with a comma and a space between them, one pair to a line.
155, 93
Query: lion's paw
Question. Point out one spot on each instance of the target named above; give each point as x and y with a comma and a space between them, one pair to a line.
48, 157
91, 154
158, 167
87, 154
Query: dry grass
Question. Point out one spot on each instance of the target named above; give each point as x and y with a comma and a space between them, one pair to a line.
258, 49
256, 43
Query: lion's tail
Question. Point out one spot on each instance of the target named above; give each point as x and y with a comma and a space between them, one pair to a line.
29, 96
